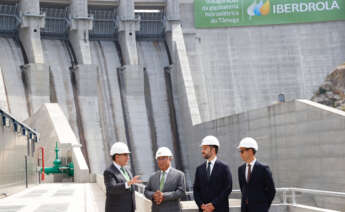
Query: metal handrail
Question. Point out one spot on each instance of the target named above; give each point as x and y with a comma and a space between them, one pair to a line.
57, 22
29, 130
151, 25
285, 192
140, 188
104, 24
318, 192
315, 192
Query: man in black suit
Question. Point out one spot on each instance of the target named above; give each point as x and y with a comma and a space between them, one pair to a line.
118, 181
256, 182
213, 180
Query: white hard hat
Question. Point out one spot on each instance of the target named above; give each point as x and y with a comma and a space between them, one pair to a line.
163, 151
210, 140
119, 148
248, 142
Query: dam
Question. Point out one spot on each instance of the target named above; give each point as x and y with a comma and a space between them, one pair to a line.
88, 73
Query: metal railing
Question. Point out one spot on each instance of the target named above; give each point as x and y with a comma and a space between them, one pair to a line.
140, 188
294, 191
57, 22
105, 27
9, 19
9, 121
288, 195
151, 25
104, 24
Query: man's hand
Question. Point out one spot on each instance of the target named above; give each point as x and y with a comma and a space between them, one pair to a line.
209, 207
158, 197
161, 198
134, 180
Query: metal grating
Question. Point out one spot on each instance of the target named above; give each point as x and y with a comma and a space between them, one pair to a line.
151, 25
9, 20
104, 24
56, 22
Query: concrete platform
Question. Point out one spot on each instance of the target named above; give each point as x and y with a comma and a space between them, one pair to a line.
191, 205
60, 197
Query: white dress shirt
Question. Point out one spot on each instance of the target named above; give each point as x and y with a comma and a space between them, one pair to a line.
212, 164
119, 168
251, 167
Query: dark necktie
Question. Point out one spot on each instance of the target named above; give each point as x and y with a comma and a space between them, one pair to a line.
249, 173
208, 170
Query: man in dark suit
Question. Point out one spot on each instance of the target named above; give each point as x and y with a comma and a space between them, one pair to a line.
255, 179
213, 180
118, 181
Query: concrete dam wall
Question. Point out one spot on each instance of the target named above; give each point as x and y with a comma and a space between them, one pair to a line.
11, 60
105, 55
245, 68
109, 118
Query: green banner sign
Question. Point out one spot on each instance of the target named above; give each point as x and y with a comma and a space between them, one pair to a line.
227, 13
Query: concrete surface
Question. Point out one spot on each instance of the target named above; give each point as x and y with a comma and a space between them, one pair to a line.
37, 81
56, 198
56, 54
11, 59
29, 32
132, 88
81, 23
153, 57
105, 56
182, 72
3, 94
304, 208
127, 26
248, 67
87, 96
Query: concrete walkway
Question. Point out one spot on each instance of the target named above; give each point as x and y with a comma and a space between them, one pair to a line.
57, 197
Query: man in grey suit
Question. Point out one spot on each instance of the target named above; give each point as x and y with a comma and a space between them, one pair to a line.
118, 181
167, 186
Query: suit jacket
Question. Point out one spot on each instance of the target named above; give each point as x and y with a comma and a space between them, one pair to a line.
260, 190
174, 189
118, 198
216, 189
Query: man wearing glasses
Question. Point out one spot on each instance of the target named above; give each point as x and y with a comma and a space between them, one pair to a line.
255, 179
118, 181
